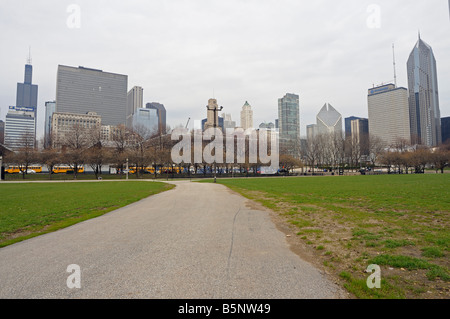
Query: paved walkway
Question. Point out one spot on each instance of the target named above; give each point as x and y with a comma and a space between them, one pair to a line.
198, 240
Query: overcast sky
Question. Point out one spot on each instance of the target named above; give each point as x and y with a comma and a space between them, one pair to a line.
184, 52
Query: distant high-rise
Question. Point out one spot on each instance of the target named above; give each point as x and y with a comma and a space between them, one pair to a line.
289, 124
360, 135
50, 108
389, 113
161, 112
2, 132
311, 131
348, 125
445, 125
212, 118
145, 121
82, 90
228, 123
247, 116
20, 127
135, 101
425, 118
267, 126
27, 94
329, 120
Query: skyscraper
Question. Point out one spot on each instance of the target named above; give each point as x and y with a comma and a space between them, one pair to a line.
311, 131
228, 123
329, 120
161, 112
135, 101
389, 113
82, 90
289, 124
247, 116
27, 94
212, 118
50, 108
145, 120
20, 127
360, 134
348, 125
2, 132
425, 118
445, 125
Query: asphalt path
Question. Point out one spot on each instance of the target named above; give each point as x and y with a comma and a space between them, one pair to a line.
197, 241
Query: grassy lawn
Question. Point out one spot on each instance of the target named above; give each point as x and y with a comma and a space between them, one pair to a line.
32, 209
399, 222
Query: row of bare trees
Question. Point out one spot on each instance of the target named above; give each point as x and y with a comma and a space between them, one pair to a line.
335, 151
140, 148
81, 146
416, 159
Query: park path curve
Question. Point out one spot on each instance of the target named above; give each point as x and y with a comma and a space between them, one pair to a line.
197, 241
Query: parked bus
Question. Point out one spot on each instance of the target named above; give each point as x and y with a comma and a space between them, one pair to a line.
19, 169
66, 169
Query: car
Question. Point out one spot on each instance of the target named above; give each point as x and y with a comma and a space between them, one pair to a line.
30, 171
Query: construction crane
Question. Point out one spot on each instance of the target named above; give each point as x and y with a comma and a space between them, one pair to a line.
187, 124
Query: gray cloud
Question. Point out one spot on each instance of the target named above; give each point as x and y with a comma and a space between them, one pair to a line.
242, 50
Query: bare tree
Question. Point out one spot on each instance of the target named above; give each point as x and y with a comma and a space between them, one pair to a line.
50, 157
26, 154
376, 148
75, 143
121, 138
440, 159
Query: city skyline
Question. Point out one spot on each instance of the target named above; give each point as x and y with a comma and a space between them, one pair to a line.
233, 62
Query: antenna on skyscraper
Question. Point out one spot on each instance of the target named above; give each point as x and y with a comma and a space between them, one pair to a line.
29, 55
395, 69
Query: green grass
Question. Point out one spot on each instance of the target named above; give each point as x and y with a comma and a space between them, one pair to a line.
412, 263
31, 209
361, 218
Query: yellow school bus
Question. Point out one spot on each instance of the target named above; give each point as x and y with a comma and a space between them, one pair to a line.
20, 169
66, 169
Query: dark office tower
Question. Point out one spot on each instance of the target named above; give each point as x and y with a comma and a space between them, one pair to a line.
425, 118
82, 90
445, 124
348, 125
27, 93
161, 111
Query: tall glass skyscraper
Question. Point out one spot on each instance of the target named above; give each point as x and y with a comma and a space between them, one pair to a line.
161, 112
145, 121
50, 108
329, 120
425, 117
289, 124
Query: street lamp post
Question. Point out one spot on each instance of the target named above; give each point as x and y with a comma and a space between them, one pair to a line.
215, 110
127, 169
